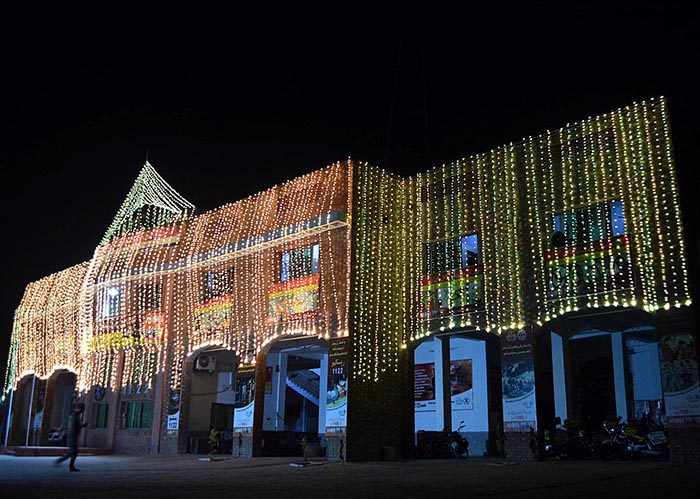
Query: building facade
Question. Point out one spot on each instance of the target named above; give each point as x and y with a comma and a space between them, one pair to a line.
358, 311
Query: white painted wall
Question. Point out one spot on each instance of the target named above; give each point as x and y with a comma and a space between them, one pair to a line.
559, 377
476, 419
224, 388
273, 418
645, 369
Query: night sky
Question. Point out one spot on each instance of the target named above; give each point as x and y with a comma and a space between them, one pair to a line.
230, 103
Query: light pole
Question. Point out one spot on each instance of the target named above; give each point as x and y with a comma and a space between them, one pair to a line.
12, 392
9, 417
31, 397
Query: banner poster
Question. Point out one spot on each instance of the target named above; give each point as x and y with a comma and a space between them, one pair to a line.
452, 293
214, 315
337, 395
589, 268
293, 299
679, 376
174, 411
154, 325
461, 385
424, 387
518, 375
244, 411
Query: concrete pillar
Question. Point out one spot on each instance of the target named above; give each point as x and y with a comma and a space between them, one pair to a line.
322, 395
619, 375
281, 402
561, 409
446, 388
259, 415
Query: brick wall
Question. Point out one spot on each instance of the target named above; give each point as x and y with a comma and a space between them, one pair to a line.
517, 446
684, 444
132, 441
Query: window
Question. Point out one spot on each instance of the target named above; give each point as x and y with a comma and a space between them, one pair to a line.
218, 283
591, 223
111, 301
453, 254
300, 263
150, 296
137, 414
99, 415
617, 218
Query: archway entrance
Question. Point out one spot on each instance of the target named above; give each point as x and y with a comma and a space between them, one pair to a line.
60, 398
212, 399
457, 384
28, 411
594, 365
295, 397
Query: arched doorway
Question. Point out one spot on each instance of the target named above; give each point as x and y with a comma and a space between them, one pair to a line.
208, 400
596, 364
457, 384
28, 411
296, 396
60, 398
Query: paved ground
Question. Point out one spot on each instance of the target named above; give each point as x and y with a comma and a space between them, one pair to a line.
184, 476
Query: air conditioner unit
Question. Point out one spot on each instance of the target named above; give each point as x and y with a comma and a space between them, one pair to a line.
206, 362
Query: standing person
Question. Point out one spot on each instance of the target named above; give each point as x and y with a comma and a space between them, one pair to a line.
74, 427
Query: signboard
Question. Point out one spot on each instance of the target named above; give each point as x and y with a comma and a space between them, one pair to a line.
244, 411
589, 268
518, 377
452, 293
424, 387
679, 376
213, 315
154, 324
173, 422
337, 394
461, 385
293, 299
173, 411
150, 331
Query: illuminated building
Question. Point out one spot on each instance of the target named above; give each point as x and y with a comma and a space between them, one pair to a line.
363, 307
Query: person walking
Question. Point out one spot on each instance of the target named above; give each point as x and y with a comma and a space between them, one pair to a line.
74, 426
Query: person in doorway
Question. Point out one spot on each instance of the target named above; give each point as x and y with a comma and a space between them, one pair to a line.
74, 426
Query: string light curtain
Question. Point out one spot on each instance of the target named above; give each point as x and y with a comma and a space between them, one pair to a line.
45, 332
233, 266
164, 277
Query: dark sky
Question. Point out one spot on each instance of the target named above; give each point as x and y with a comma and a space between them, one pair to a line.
231, 103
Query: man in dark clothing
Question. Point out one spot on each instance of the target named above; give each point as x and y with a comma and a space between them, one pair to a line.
74, 427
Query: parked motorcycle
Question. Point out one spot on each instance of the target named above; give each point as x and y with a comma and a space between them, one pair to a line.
448, 444
565, 442
459, 444
633, 440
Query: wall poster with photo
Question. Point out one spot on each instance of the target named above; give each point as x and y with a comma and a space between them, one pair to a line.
424, 387
461, 384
